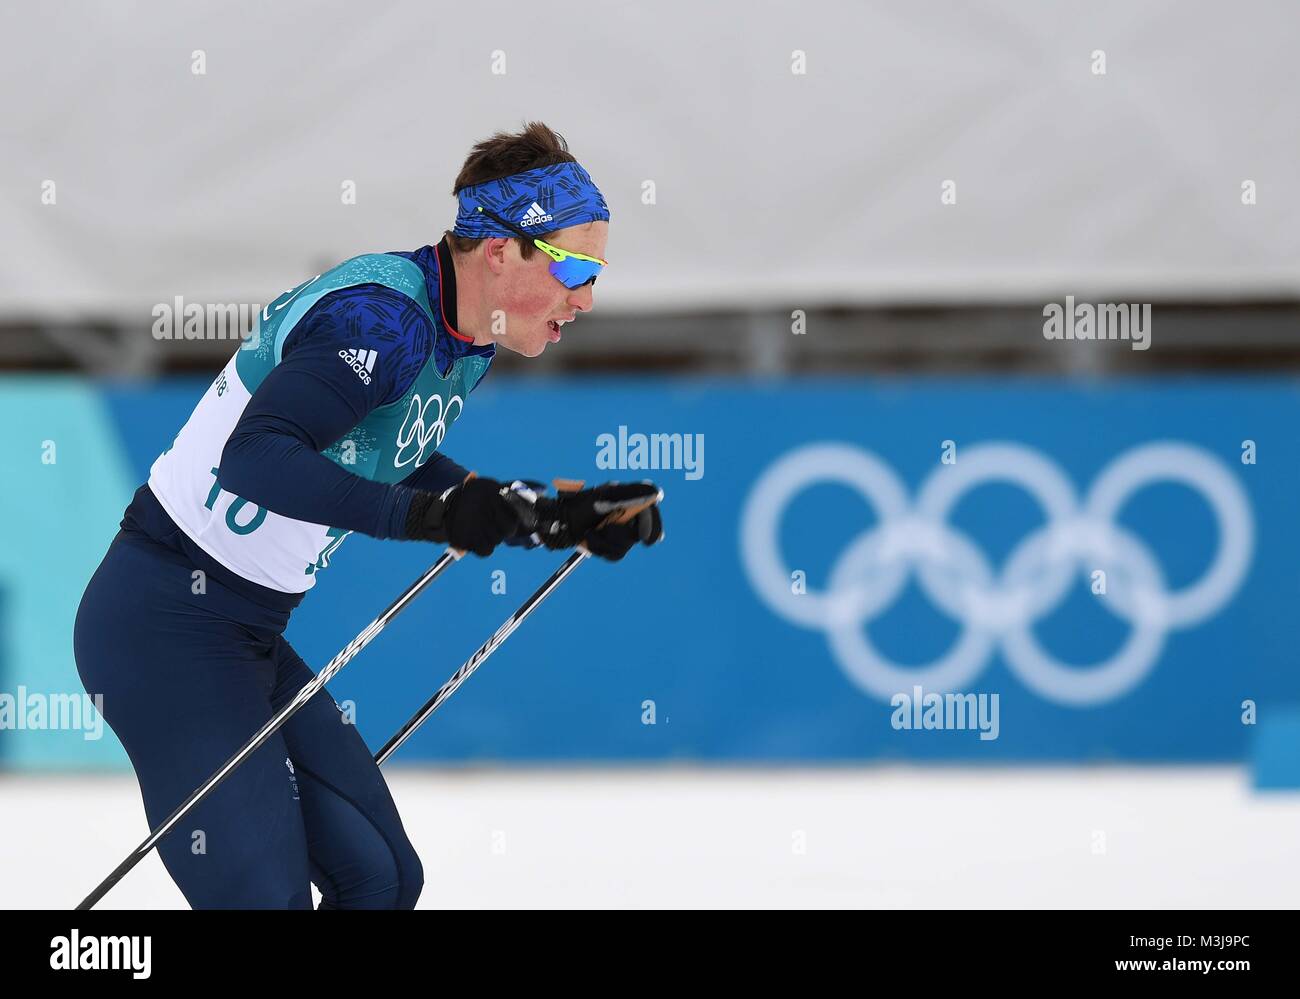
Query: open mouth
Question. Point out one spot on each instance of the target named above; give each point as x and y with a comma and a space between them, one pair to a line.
554, 327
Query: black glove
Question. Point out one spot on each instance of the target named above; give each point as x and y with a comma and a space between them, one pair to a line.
588, 516
613, 541
474, 516
527, 491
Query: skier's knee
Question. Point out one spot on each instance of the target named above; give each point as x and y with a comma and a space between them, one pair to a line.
410, 873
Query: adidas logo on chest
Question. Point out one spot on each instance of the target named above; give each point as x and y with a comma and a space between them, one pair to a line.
361, 361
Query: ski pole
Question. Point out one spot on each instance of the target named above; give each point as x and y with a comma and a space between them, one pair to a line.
308, 691
483, 651
504, 632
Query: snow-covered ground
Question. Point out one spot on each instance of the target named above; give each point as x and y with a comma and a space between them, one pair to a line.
870, 837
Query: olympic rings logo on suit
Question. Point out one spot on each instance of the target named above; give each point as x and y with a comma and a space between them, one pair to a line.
416, 431
997, 609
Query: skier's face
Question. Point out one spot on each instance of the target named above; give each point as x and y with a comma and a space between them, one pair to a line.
532, 298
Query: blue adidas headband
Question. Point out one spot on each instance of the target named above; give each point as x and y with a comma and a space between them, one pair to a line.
540, 200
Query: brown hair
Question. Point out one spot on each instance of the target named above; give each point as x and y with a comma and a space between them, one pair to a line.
535, 146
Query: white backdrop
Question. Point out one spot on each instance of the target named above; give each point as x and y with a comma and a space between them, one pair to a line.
772, 188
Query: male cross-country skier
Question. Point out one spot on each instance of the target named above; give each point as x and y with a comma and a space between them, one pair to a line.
329, 420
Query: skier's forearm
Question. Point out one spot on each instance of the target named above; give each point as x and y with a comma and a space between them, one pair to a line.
273, 458
268, 466
437, 475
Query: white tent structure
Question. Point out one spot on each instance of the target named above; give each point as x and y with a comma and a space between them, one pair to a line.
766, 154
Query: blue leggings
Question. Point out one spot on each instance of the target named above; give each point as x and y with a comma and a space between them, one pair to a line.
187, 678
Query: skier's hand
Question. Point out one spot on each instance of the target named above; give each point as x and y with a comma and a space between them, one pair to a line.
608, 520
613, 540
474, 516
523, 495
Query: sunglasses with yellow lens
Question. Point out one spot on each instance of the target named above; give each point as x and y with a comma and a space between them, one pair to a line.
571, 269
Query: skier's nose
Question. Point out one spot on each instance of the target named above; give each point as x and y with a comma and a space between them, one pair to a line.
581, 299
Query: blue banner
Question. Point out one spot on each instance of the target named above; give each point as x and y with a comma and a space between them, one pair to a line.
854, 570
